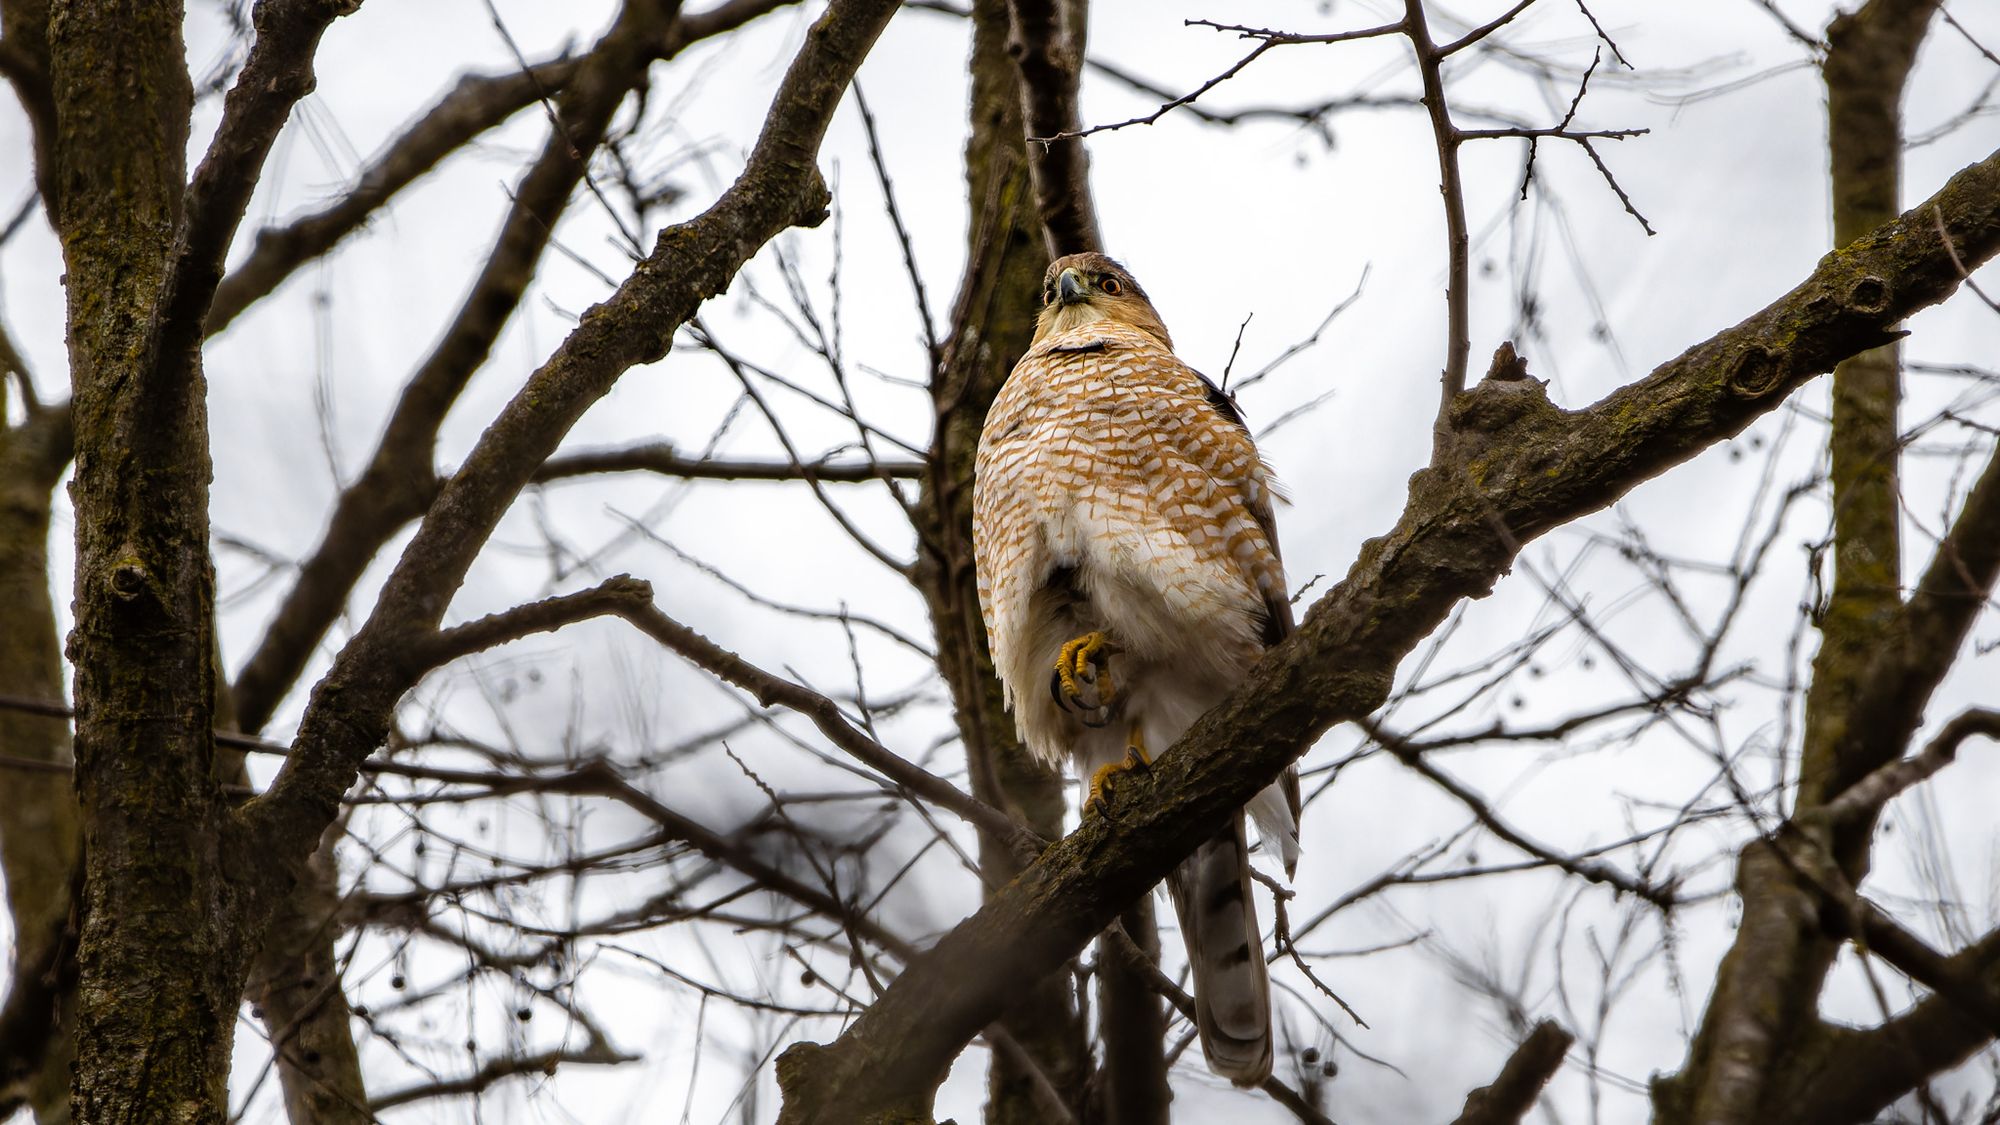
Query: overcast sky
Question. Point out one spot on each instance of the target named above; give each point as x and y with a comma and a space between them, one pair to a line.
1270, 221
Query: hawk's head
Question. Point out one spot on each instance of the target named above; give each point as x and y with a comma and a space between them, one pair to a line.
1085, 288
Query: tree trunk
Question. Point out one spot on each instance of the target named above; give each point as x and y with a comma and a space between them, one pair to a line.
1134, 1025
1763, 1019
160, 973
40, 840
993, 320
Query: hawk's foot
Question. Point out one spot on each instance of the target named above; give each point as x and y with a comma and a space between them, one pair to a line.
1105, 779
1081, 683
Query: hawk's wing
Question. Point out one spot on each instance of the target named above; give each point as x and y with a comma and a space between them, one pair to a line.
1278, 619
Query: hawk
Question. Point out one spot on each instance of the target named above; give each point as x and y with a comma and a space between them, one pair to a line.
1129, 576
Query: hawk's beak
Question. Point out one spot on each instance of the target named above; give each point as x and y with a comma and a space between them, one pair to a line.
1071, 288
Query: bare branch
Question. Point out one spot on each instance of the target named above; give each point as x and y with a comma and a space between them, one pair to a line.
1922, 642
1482, 31
1288, 38
533, 1064
664, 459
1592, 870
279, 72
1520, 1083
931, 345
1166, 107
1804, 38
696, 258
477, 103
772, 690
1582, 137
1960, 266
1865, 798
612, 596
395, 487
1458, 269
1047, 45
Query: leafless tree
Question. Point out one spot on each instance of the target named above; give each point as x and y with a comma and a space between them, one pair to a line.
348, 792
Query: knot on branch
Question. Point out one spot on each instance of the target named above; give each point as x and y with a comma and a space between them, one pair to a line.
1508, 366
1499, 404
819, 1088
130, 580
1868, 296
1505, 402
814, 201
1758, 371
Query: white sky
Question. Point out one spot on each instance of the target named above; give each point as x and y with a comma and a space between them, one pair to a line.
1268, 219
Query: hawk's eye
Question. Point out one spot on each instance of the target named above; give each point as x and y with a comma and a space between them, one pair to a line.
1111, 287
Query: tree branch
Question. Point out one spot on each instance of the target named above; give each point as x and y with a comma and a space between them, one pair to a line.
477, 102
662, 458
773, 690
277, 74
533, 1064
1865, 798
1047, 43
1854, 1074
1921, 642
615, 595
1458, 253
1540, 467
780, 186
1520, 1083
396, 486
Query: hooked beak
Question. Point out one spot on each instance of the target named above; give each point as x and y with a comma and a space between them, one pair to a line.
1070, 287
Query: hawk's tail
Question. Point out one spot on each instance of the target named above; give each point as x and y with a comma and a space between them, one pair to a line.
1232, 994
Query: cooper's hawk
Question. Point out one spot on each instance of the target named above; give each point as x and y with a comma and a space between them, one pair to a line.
1129, 574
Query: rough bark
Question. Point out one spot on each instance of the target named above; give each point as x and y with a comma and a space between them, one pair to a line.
162, 957
992, 323
158, 984
1527, 467
1847, 1076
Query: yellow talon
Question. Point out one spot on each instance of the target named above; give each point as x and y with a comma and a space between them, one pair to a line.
1083, 674
1136, 758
